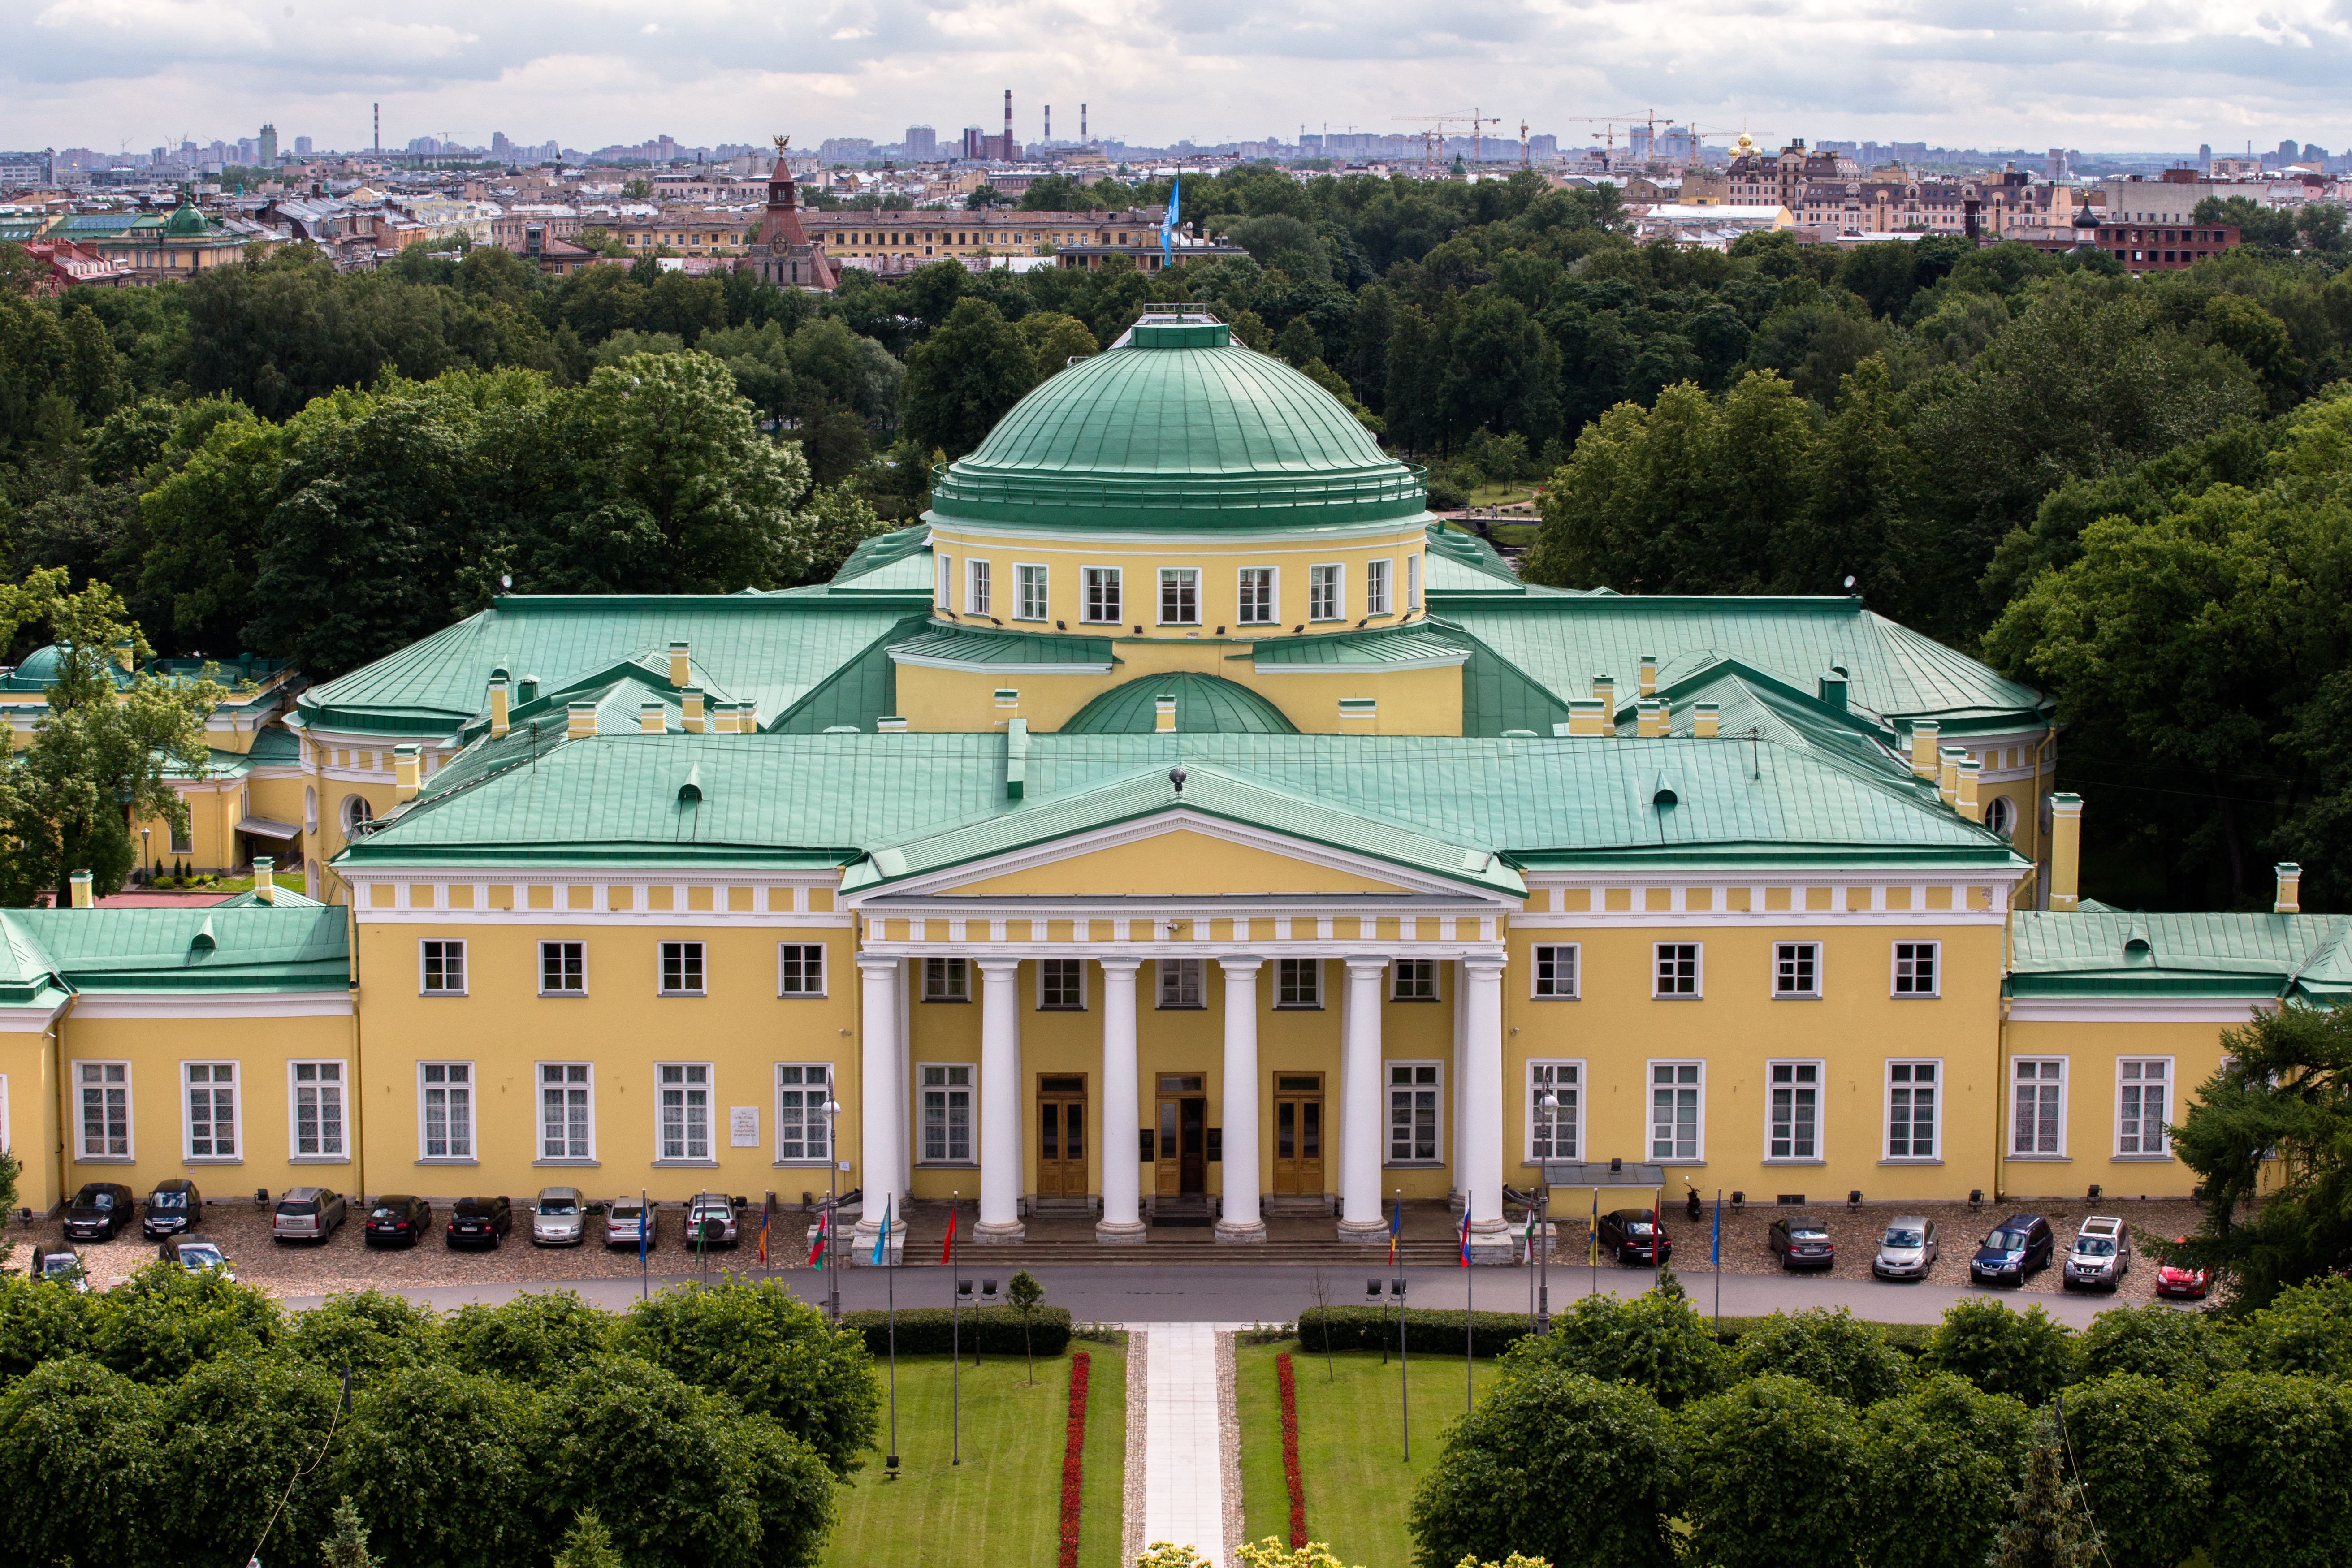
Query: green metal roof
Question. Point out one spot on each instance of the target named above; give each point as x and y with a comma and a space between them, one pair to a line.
942, 642
28, 976
301, 946
1749, 701
2109, 952
1205, 704
1402, 647
897, 562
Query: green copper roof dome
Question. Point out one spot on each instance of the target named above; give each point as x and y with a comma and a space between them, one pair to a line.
185, 222
1178, 427
1205, 705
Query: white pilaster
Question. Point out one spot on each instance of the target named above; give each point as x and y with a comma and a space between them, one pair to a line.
1115, 1133
1001, 1103
1241, 1221
1479, 1058
1360, 1143
882, 1113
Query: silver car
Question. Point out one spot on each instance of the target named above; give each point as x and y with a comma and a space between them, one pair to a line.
705, 1208
556, 1220
1908, 1251
626, 1220
307, 1214
2101, 1256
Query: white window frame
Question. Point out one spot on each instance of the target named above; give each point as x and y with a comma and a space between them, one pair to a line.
1025, 607
423, 966
1564, 1076
1390, 1089
976, 585
943, 583
559, 944
1327, 587
1412, 580
948, 969
235, 1140
1898, 958
1699, 971
947, 1087
1397, 968
1244, 609
1790, 960
472, 1139
1092, 582
341, 1155
1537, 979
2010, 1150
1911, 1087
183, 838
1186, 581
1188, 990
1650, 1087
702, 956
82, 1082
791, 952
2163, 1151
1288, 996
585, 1084
685, 1087
1380, 578
816, 1139
1795, 1085
1078, 1006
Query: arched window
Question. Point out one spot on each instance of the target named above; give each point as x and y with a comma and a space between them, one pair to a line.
2000, 814
311, 808
357, 813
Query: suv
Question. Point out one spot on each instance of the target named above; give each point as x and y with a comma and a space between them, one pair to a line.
625, 1219
2017, 1246
1803, 1242
1633, 1236
99, 1212
172, 1209
478, 1222
1908, 1249
397, 1217
556, 1219
705, 1207
2102, 1253
307, 1214
62, 1264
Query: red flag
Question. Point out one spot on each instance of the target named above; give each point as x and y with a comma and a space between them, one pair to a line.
1466, 1232
947, 1252
816, 1247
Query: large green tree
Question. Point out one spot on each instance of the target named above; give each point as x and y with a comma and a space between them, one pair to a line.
964, 377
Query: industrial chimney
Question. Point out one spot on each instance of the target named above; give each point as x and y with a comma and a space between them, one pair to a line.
1082, 125
1007, 154
1049, 123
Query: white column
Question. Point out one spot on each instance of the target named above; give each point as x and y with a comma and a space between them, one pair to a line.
1239, 1221
1359, 1113
1001, 1102
881, 1114
1478, 1055
1114, 1133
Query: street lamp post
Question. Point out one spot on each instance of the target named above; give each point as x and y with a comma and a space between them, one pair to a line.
145, 874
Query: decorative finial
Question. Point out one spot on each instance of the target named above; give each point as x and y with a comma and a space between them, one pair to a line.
1176, 778
782, 143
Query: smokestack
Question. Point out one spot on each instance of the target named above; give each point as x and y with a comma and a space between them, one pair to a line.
1007, 154
1082, 124
1049, 122
378, 108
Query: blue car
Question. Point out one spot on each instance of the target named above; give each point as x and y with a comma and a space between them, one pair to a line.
2018, 1246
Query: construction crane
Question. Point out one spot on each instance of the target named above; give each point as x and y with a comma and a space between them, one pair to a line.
1644, 117
1432, 141
1477, 149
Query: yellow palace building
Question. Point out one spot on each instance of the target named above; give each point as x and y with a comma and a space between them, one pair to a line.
1178, 824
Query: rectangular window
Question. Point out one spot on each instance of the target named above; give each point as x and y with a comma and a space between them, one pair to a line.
212, 1110
1062, 984
1180, 983
183, 837
802, 1131
2038, 1125
1794, 1109
1555, 969
317, 1107
1916, 968
947, 980
1797, 969
444, 965
1413, 582
446, 1107
1555, 1110
1413, 1096
1911, 1103
800, 969
1031, 580
681, 969
1179, 596
1677, 1091
105, 1108
2141, 1102
975, 595
1257, 596
1323, 593
1677, 969
1299, 983
1101, 601
947, 1115
564, 969
685, 1100
1412, 980
1376, 587
943, 590
564, 1110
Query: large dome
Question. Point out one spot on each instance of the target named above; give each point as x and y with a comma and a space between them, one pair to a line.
1205, 704
1181, 427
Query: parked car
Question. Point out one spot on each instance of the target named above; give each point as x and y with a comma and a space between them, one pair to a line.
2102, 1253
397, 1217
1633, 1236
61, 1264
624, 1218
1908, 1249
100, 1212
308, 1214
478, 1222
2179, 1279
173, 1208
1803, 1242
557, 1220
2018, 1246
196, 1254
707, 1207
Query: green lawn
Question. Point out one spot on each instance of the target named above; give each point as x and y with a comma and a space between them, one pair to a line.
1008, 1491
1358, 1485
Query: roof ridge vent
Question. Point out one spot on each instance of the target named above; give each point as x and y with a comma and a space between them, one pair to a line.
691, 790
203, 942
1662, 791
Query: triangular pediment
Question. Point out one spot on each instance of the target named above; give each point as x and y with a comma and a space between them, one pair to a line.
1177, 859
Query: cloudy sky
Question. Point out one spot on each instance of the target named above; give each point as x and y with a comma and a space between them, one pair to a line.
2111, 75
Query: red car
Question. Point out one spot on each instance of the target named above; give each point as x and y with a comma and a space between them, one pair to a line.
2177, 1280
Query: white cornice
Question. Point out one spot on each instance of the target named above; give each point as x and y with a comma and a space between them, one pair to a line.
2137, 1010
983, 667
216, 1005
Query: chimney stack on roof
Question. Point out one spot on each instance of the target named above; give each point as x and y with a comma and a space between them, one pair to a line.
2290, 889
2065, 849
580, 719
79, 883
405, 772
265, 878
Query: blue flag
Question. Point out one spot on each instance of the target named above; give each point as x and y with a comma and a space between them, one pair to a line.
882, 1238
1168, 224
1716, 1252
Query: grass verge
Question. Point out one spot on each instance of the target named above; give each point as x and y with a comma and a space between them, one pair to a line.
1008, 1491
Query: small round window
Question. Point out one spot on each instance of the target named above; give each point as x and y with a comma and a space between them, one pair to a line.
2000, 815
357, 813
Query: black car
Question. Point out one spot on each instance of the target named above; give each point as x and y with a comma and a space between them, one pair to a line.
173, 1208
100, 1212
1802, 1241
1633, 1236
2018, 1246
396, 1217
480, 1222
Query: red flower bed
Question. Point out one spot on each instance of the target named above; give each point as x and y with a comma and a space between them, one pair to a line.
1290, 1475
1073, 1450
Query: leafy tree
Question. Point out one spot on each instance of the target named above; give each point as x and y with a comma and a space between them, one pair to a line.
1938, 1458
2028, 1355
435, 1459
2185, 1349
2305, 1327
365, 1333
965, 377
1055, 339
2278, 1451
207, 522
2256, 223
2048, 1531
1829, 1349
1866, 482
250, 1425
1772, 1448
38, 1323
2137, 1448
653, 1456
1023, 1292
164, 1321
79, 1461
1655, 1341
534, 1336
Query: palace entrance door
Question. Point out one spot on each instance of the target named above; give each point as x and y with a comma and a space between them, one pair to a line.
1299, 1134
1061, 1135
1181, 1155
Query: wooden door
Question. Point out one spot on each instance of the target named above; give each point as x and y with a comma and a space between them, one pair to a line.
1298, 1135
1062, 1135
1179, 1153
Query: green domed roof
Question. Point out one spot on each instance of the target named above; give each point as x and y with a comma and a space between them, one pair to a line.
1205, 705
1181, 429
185, 222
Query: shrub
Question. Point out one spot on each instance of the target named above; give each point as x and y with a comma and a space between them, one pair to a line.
164, 1319
247, 1425
2029, 1353
990, 1330
78, 1453
653, 1456
436, 1461
2307, 1328
1778, 1451
2136, 1449
365, 1333
2186, 1349
1655, 1340
38, 1323
536, 1337
1939, 1460
1829, 1350
2278, 1456
1428, 1331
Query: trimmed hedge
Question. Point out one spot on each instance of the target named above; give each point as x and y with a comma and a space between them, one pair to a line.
992, 1330
1428, 1331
